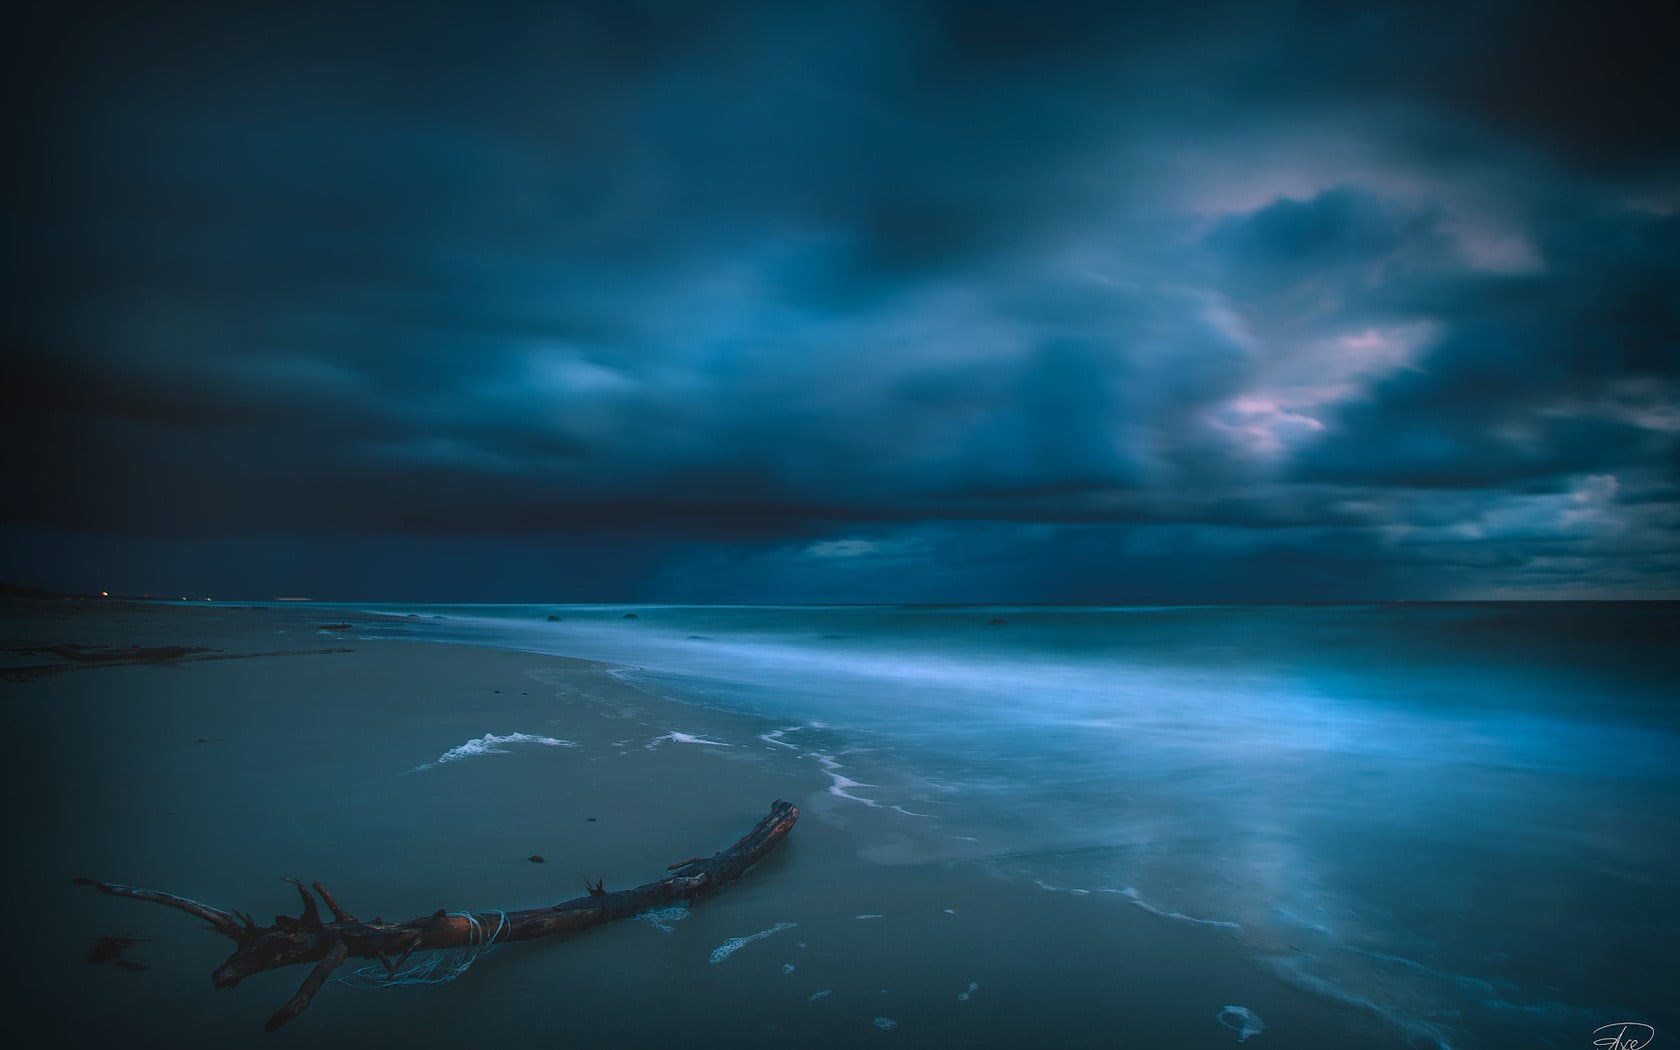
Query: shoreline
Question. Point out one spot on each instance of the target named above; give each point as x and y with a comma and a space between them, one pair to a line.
214, 777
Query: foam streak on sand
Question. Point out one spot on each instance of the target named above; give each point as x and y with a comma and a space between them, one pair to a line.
1131, 894
842, 782
1048, 888
735, 944
662, 919
1241, 1020
491, 744
683, 738
778, 737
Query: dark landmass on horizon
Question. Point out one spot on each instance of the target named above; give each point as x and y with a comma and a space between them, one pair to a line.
12, 592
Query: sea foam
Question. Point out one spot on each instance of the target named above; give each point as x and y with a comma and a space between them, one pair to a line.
735, 944
683, 738
842, 782
1241, 1020
491, 744
1131, 894
662, 919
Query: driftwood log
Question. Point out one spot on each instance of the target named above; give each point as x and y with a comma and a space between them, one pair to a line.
308, 938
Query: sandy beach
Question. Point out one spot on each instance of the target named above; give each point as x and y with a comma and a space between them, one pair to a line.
905, 525
366, 764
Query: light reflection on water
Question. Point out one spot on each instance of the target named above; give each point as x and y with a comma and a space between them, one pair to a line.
1385, 802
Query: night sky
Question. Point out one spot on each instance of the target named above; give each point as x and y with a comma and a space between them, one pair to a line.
811, 302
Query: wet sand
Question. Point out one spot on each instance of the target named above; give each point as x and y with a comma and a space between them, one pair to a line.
215, 774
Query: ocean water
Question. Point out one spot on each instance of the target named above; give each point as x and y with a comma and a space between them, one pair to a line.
1457, 820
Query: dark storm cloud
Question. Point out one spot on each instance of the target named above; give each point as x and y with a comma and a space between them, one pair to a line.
1537, 375
877, 300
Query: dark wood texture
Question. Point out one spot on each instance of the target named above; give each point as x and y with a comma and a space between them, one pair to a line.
309, 939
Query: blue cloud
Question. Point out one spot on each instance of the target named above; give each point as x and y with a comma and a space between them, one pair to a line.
1103, 299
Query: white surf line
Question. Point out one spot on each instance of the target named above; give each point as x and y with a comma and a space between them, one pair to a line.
491, 744
684, 738
735, 944
1075, 890
1131, 894
842, 782
1241, 1020
776, 737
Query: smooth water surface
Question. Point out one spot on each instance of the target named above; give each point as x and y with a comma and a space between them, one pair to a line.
1458, 818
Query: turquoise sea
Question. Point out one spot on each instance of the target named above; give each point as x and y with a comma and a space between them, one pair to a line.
1458, 819
1373, 826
